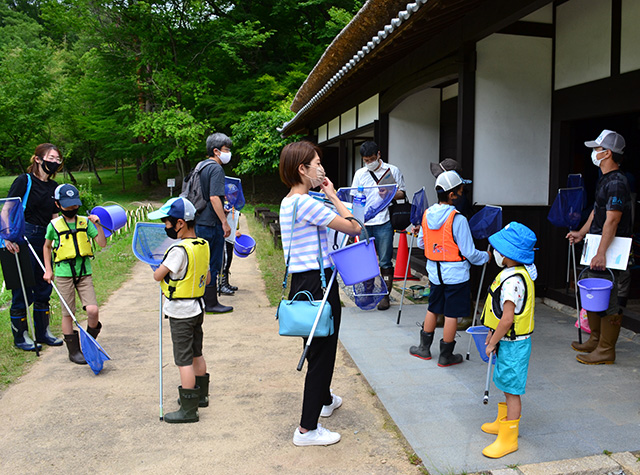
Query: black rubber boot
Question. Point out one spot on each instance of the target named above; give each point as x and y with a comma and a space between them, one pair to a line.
211, 304
387, 276
73, 346
424, 350
41, 320
20, 330
203, 383
188, 411
226, 276
94, 332
224, 288
447, 358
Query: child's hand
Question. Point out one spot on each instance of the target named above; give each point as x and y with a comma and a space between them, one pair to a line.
238, 234
490, 349
94, 219
48, 277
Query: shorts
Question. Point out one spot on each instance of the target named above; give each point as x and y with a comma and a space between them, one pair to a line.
450, 300
68, 291
512, 366
186, 335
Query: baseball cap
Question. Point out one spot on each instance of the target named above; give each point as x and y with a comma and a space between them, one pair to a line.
67, 195
448, 180
446, 165
179, 208
609, 140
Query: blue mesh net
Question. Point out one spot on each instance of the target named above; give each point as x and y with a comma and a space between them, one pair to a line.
11, 220
566, 210
94, 354
486, 222
575, 180
418, 206
150, 242
378, 198
368, 294
233, 192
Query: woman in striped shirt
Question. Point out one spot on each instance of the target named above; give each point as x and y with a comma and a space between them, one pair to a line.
300, 170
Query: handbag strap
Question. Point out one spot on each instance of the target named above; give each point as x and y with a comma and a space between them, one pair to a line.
323, 279
26, 195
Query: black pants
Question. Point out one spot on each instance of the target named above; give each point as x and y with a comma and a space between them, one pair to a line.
228, 257
321, 357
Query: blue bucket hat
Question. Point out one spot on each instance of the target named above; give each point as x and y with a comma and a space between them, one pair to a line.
515, 241
179, 208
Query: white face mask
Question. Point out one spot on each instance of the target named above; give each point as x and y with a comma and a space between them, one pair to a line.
373, 166
225, 157
594, 157
319, 178
499, 258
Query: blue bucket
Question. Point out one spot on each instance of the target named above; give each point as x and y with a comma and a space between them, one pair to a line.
595, 293
356, 262
479, 334
111, 217
244, 245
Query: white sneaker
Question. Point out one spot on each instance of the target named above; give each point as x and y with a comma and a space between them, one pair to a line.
320, 436
335, 404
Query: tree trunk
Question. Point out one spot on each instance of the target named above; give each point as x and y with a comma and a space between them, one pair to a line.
116, 166
73, 178
122, 169
92, 165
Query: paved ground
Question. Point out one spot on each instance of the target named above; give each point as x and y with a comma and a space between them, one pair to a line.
570, 410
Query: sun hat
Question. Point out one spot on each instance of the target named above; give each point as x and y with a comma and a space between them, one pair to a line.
609, 140
449, 180
179, 208
515, 241
67, 195
448, 164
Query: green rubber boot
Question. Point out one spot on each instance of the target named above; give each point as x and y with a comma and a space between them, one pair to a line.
188, 411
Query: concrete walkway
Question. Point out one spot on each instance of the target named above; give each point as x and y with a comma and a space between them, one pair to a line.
570, 410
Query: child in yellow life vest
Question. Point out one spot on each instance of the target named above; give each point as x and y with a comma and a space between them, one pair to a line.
183, 275
508, 312
68, 239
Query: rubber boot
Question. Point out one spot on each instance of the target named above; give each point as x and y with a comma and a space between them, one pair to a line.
73, 346
94, 332
226, 276
493, 427
223, 288
447, 358
387, 276
20, 330
506, 442
188, 411
605, 352
591, 344
424, 350
211, 304
41, 319
203, 383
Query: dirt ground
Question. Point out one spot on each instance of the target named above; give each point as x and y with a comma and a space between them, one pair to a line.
61, 418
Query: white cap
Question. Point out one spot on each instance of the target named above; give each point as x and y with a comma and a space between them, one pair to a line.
448, 180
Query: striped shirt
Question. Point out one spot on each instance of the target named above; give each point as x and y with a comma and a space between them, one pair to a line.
311, 215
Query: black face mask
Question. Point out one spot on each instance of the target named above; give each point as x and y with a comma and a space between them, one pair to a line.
171, 233
69, 213
50, 167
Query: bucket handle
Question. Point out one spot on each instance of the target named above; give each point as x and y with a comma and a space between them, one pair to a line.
613, 277
363, 229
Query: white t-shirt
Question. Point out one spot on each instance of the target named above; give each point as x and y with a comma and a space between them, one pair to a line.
513, 290
176, 261
311, 216
362, 177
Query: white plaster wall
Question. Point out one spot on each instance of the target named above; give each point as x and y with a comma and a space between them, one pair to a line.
513, 120
348, 121
543, 15
414, 139
368, 111
322, 133
583, 42
629, 50
334, 128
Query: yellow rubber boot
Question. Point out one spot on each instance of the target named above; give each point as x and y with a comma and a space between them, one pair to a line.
506, 442
492, 427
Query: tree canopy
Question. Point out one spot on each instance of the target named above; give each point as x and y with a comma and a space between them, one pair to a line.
146, 81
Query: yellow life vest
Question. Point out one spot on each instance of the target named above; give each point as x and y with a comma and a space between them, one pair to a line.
492, 313
195, 279
72, 242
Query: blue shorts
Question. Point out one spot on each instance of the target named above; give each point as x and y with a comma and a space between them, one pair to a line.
450, 300
512, 366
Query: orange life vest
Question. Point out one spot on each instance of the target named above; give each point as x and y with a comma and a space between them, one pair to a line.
439, 244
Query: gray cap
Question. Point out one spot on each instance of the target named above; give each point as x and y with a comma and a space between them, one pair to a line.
448, 180
448, 164
608, 140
